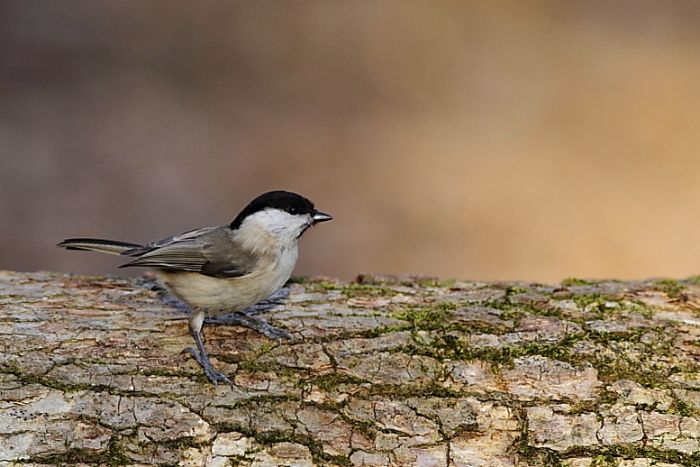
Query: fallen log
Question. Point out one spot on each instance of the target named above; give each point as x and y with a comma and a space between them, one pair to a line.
381, 371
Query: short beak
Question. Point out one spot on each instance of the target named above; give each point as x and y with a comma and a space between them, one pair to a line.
321, 217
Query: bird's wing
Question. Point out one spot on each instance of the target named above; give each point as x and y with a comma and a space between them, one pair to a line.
209, 250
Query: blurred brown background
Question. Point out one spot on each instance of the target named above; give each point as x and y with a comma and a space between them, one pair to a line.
492, 139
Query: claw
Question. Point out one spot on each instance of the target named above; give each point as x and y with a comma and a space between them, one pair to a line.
214, 376
277, 334
245, 319
200, 354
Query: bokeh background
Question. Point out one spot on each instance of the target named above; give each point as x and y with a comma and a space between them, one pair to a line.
476, 139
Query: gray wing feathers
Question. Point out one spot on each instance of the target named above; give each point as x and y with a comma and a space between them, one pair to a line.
185, 257
190, 235
210, 251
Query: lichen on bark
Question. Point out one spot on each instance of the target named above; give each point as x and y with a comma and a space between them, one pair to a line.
382, 371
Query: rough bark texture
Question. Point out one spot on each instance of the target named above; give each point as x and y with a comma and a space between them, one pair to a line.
385, 371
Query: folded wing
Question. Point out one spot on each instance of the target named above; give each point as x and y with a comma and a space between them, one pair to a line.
209, 250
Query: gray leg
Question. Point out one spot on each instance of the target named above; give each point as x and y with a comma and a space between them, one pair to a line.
247, 318
251, 322
195, 324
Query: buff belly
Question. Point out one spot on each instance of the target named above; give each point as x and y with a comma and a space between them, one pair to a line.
219, 296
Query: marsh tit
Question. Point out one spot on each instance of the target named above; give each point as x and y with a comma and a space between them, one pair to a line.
217, 270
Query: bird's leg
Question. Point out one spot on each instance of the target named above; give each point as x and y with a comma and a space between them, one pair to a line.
195, 325
247, 318
252, 322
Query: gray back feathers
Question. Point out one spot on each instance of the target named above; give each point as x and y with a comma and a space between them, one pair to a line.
209, 250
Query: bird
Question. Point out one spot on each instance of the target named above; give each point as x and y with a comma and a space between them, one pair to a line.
219, 270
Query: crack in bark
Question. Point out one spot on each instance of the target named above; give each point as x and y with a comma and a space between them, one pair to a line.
353, 385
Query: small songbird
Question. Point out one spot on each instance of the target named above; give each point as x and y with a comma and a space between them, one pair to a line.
219, 270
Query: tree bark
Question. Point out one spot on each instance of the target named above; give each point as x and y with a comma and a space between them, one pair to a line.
382, 371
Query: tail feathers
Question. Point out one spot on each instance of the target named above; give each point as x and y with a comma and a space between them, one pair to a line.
102, 246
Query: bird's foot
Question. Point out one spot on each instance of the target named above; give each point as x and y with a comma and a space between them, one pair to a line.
251, 322
214, 376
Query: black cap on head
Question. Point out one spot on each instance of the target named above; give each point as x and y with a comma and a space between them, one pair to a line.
282, 200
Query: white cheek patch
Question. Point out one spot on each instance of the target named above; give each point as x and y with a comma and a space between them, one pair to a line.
277, 222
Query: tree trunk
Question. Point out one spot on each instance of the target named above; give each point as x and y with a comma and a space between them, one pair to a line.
384, 371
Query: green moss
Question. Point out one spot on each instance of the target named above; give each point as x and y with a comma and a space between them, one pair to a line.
436, 316
325, 286
670, 287
604, 397
435, 389
239, 460
611, 370
511, 290
315, 286
610, 456
433, 282
265, 347
180, 444
262, 399
604, 305
607, 456
640, 355
533, 455
268, 438
300, 280
545, 457
683, 408
515, 311
451, 347
349, 290
365, 290
19, 297
511, 309
111, 456
406, 281
596, 302
603, 461
404, 391
633, 336
511, 312
365, 427
27, 378
331, 381
574, 281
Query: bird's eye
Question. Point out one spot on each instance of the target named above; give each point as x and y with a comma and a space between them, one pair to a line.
294, 211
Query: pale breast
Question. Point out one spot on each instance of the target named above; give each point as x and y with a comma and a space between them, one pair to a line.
218, 295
